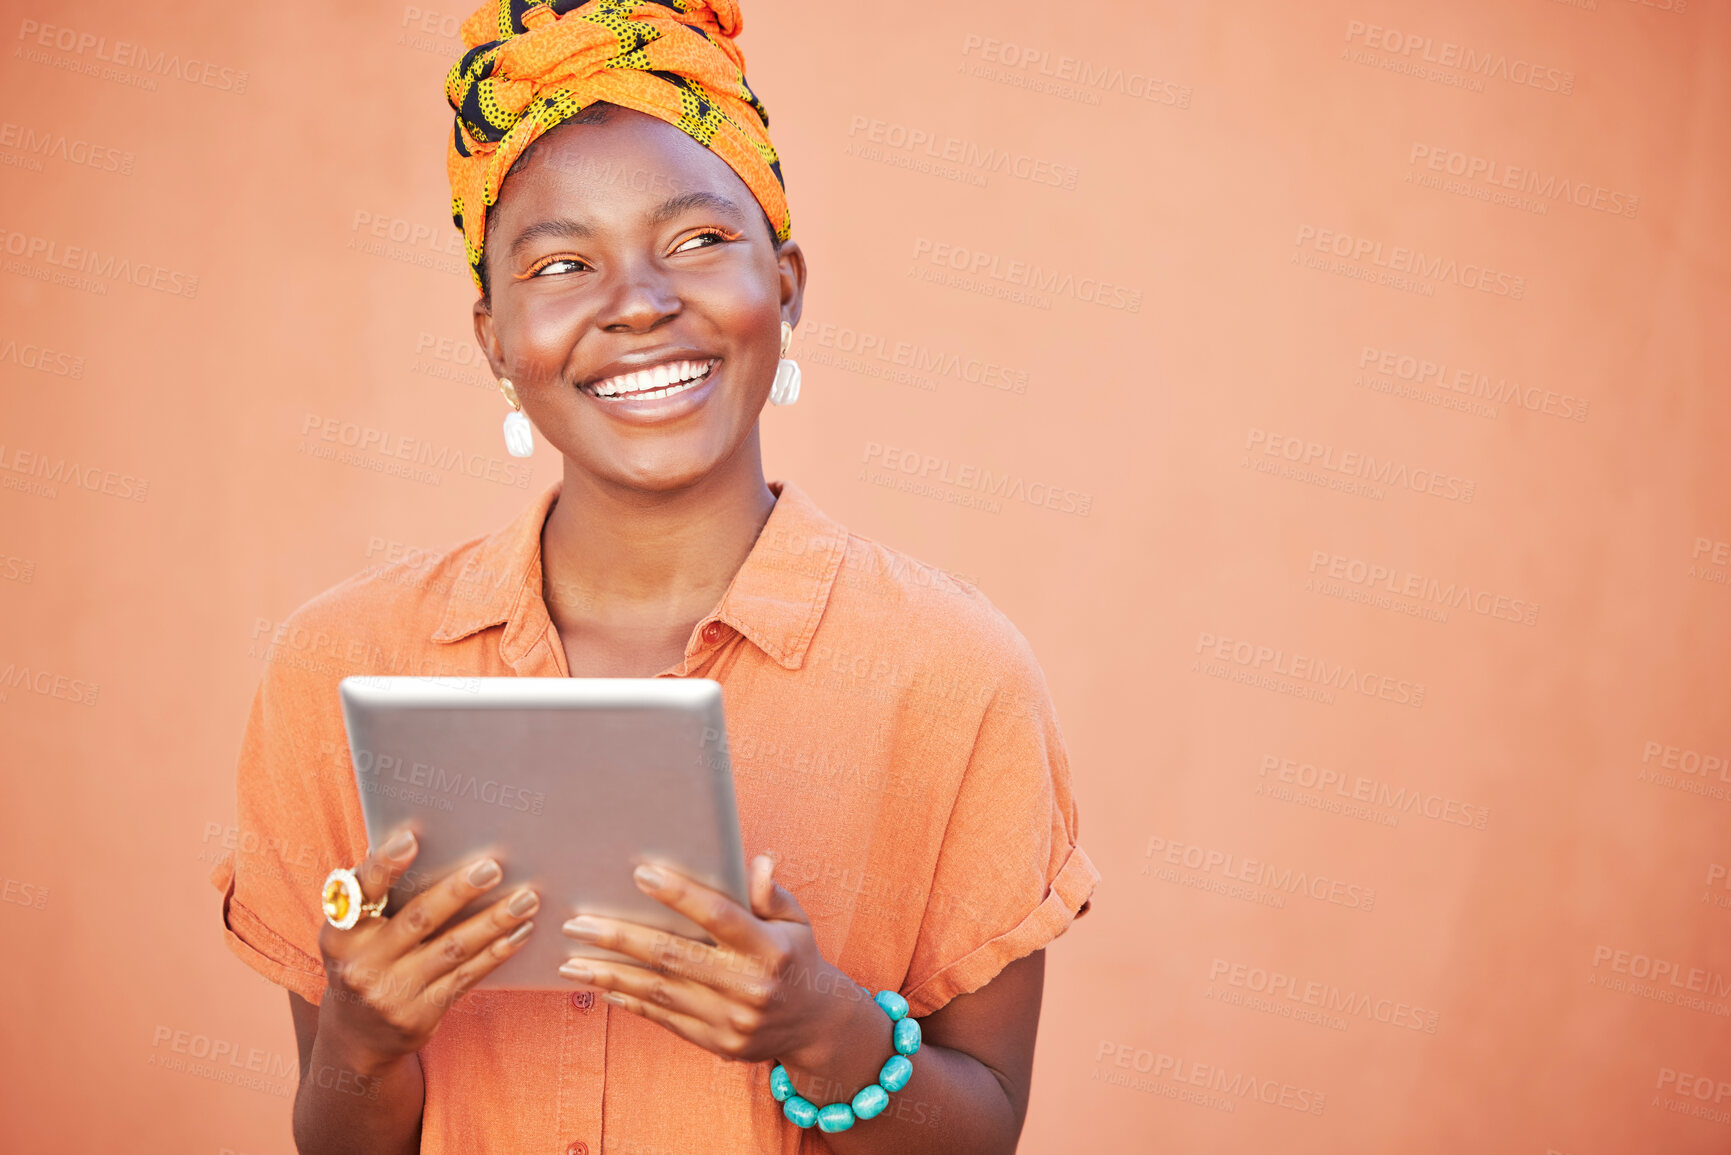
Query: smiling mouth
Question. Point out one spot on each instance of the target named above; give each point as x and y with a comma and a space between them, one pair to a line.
656, 381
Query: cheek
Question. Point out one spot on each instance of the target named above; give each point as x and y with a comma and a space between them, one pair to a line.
745, 286
746, 310
540, 337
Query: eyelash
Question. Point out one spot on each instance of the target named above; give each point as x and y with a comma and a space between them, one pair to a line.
722, 236
545, 263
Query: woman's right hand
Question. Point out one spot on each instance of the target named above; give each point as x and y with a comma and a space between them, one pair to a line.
387, 983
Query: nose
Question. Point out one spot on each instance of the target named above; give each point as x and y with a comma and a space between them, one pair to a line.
641, 297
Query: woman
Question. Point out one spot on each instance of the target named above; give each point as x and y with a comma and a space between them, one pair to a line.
896, 759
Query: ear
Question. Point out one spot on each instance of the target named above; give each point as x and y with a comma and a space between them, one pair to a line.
487, 338
791, 262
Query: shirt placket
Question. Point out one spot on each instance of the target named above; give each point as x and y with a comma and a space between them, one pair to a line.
531, 646
708, 638
582, 1074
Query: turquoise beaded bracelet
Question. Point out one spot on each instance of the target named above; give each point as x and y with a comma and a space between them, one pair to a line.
871, 1101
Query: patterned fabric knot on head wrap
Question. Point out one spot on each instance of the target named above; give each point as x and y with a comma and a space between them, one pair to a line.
532, 66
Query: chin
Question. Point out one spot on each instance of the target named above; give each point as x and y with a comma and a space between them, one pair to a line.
658, 457
661, 469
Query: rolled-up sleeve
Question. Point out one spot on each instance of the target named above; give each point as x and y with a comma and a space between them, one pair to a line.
294, 798
1010, 876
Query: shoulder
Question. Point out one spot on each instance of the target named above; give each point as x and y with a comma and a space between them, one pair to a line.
924, 618
883, 605
378, 617
915, 593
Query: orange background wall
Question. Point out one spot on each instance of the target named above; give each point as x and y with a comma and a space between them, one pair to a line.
1486, 792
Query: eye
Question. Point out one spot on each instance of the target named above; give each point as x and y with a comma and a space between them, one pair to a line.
705, 238
556, 265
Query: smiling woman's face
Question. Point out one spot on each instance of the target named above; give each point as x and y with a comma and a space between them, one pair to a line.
635, 300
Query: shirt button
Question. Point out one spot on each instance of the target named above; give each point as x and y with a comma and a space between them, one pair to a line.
583, 1000
577, 1148
713, 631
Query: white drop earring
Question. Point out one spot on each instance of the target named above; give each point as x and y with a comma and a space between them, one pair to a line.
519, 434
785, 391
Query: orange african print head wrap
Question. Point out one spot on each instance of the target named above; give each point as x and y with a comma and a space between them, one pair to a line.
531, 66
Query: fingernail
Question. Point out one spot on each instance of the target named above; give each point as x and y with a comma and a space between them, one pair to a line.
583, 928
524, 902
577, 972
615, 998
400, 845
649, 878
519, 934
484, 872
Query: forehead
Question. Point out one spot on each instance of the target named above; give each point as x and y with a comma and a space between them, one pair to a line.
613, 170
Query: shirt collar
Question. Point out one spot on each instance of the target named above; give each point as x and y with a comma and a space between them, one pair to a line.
775, 600
779, 594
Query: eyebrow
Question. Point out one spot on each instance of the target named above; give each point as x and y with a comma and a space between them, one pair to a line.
559, 227
668, 209
673, 206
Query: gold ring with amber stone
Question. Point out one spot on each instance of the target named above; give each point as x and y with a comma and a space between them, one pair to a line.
343, 900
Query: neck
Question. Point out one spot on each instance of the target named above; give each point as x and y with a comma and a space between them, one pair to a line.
615, 558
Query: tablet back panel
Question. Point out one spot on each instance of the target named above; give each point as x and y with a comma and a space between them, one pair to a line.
569, 782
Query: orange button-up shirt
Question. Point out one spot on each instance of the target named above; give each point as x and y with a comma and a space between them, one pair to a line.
894, 749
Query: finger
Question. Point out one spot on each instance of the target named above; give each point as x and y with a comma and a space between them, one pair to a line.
450, 988
385, 863
651, 946
692, 1030
377, 873
678, 995
737, 977
470, 937
770, 901
727, 922
433, 907
761, 885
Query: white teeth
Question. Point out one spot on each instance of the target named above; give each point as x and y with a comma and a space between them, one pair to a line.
656, 381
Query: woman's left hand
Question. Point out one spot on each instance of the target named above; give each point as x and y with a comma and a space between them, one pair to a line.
762, 991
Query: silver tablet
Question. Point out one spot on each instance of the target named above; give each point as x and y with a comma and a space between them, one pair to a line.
569, 782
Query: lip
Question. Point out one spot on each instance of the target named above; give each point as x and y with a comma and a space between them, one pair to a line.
648, 359
651, 410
